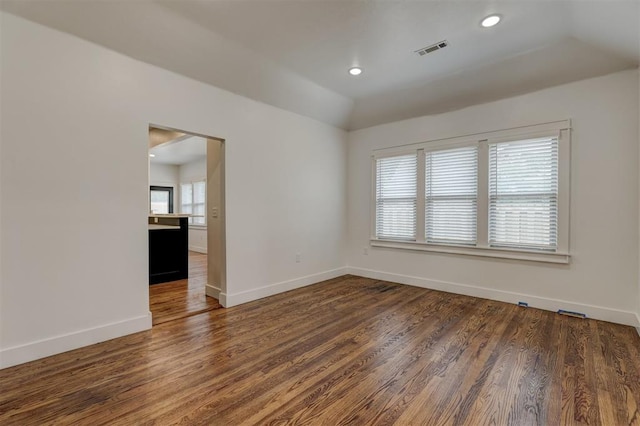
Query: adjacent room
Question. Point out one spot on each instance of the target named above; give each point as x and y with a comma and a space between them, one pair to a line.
320, 212
179, 183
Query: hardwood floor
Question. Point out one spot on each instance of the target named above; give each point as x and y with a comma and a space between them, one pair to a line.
346, 351
183, 298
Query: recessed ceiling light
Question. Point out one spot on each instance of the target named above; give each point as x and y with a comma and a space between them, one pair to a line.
355, 71
152, 155
490, 21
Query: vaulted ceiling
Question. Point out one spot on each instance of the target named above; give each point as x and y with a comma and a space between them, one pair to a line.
294, 54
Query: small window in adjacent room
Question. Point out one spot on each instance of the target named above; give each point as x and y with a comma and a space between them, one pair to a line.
193, 201
161, 199
497, 194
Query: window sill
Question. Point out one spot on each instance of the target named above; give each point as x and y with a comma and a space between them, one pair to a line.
562, 258
201, 227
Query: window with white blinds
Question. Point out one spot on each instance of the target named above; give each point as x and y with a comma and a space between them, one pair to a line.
396, 195
523, 194
451, 195
498, 194
193, 196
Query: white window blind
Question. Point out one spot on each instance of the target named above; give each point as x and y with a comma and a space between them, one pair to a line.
396, 195
193, 201
199, 202
523, 194
186, 198
451, 196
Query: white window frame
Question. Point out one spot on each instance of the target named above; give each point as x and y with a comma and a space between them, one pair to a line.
558, 129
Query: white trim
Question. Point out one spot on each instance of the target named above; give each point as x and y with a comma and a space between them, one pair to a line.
281, 287
558, 129
78, 339
592, 311
223, 299
212, 291
420, 198
482, 198
474, 251
512, 133
373, 216
197, 249
564, 189
394, 152
638, 321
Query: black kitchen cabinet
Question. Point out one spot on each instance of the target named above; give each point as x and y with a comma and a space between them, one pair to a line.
168, 249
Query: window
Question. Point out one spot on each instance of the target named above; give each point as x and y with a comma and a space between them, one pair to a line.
498, 194
161, 199
523, 194
451, 196
396, 197
193, 201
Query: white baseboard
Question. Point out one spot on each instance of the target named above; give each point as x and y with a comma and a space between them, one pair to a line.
197, 249
228, 300
66, 342
212, 291
222, 299
596, 312
638, 320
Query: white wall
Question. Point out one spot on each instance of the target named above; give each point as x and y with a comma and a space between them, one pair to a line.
166, 175
190, 172
198, 239
75, 260
602, 279
195, 170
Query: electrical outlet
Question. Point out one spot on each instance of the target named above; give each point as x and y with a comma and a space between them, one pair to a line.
365, 251
214, 212
298, 257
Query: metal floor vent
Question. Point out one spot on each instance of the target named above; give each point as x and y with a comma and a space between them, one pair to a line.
430, 49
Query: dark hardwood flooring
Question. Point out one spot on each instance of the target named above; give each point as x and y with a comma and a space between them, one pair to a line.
182, 298
345, 351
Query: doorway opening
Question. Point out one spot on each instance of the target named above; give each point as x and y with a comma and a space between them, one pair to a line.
186, 223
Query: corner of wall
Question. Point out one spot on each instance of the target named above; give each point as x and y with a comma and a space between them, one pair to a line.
213, 291
228, 300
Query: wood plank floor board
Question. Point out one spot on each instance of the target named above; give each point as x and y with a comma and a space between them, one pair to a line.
330, 388
179, 299
269, 333
346, 351
580, 357
466, 371
494, 388
620, 381
299, 358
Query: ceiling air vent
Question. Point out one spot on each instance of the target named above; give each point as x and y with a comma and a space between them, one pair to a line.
430, 49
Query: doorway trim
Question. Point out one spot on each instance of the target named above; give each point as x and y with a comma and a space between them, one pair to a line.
216, 286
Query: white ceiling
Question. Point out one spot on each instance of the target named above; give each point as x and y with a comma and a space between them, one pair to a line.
179, 152
294, 54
